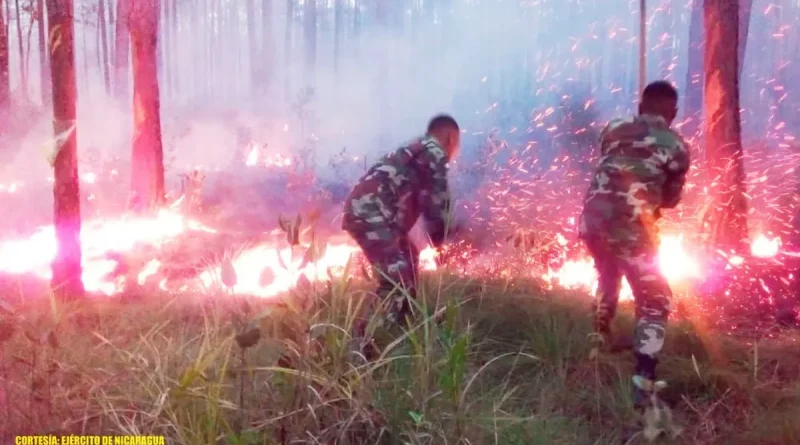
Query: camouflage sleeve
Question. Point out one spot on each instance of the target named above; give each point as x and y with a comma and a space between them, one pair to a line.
606, 135
676, 167
434, 196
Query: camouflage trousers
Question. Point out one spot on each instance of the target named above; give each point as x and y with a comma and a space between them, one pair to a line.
638, 262
395, 259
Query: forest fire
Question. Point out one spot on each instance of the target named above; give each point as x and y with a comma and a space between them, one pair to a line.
269, 268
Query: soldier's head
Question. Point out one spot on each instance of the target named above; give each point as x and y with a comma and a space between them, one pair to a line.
660, 98
445, 129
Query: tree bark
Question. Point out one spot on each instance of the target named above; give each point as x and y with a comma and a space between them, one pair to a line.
356, 39
338, 29
745, 10
111, 25
310, 37
22, 72
66, 279
5, 81
166, 49
174, 48
727, 217
287, 42
101, 12
44, 64
266, 45
382, 16
693, 94
147, 160
121, 49
85, 51
252, 43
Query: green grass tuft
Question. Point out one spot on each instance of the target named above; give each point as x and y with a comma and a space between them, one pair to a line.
487, 364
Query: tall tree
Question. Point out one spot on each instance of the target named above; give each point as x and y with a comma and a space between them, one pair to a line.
5, 81
122, 48
338, 29
22, 65
745, 10
266, 71
382, 15
66, 279
287, 42
44, 75
173, 30
727, 216
310, 37
693, 90
147, 160
252, 43
101, 24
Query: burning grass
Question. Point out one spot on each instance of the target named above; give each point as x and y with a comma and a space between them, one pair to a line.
505, 363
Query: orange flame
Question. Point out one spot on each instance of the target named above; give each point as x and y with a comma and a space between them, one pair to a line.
266, 269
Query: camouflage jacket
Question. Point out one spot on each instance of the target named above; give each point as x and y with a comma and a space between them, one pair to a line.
403, 185
642, 169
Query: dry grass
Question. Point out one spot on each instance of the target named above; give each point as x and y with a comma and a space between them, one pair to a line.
504, 366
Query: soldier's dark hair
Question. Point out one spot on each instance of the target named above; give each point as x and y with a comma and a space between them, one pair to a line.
442, 122
658, 91
660, 98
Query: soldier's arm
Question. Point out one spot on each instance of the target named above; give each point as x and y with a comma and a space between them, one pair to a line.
676, 168
434, 196
601, 141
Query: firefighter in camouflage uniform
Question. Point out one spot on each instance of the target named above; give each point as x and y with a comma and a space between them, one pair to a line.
388, 200
642, 169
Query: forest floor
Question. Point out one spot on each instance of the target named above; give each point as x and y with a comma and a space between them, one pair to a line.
503, 364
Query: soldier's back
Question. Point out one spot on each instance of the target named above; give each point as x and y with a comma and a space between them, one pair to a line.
376, 196
626, 190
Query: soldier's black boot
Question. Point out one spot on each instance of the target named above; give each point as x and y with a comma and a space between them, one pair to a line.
645, 371
653, 416
600, 340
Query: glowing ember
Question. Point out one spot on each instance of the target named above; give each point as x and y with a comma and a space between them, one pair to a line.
255, 157
427, 258
676, 264
679, 266
764, 247
266, 271
34, 255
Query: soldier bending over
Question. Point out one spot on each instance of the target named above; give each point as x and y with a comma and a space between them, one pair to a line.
388, 200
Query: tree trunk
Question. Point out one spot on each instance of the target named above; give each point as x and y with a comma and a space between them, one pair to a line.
5, 81
44, 65
101, 13
266, 44
86, 71
173, 48
356, 39
382, 12
147, 160
338, 28
166, 66
693, 94
310, 37
121, 49
111, 23
22, 72
252, 43
66, 279
727, 216
745, 9
287, 41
